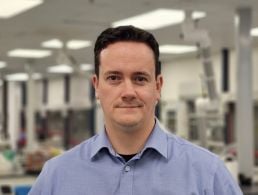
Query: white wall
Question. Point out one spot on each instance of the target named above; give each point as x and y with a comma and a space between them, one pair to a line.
177, 72
187, 72
56, 93
80, 92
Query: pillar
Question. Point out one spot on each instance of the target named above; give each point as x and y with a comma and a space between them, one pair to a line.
244, 95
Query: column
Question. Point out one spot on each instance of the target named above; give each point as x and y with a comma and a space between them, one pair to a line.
13, 113
244, 100
5, 109
67, 111
30, 110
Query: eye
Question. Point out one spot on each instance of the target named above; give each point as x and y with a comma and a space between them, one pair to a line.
140, 79
113, 78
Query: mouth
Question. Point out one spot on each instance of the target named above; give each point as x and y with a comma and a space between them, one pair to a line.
138, 106
129, 106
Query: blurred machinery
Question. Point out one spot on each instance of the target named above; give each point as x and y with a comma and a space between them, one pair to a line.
208, 107
209, 112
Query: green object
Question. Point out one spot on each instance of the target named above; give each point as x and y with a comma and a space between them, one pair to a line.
9, 154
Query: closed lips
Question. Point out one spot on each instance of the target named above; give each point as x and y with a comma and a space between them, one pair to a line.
129, 106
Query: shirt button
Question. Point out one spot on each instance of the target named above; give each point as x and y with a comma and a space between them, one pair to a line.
127, 168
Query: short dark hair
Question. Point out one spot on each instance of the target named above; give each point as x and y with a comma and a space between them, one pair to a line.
126, 33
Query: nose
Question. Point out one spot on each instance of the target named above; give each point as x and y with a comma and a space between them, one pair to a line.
128, 91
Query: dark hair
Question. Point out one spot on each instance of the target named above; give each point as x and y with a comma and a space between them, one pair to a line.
126, 33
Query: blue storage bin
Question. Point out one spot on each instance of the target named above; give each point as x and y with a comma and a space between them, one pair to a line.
22, 190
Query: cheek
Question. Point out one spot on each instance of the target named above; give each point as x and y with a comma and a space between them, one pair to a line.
149, 97
106, 96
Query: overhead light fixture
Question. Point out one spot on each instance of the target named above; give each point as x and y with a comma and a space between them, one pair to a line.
2, 64
158, 18
22, 76
62, 68
53, 43
176, 49
29, 53
78, 44
254, 32
72, 44
17, 77
11, 8
86, 67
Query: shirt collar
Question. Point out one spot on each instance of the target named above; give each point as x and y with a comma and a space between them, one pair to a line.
157, 141
101, 141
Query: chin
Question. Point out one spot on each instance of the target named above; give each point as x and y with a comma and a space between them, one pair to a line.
129, 122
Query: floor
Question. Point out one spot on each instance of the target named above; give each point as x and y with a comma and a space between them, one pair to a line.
253, 190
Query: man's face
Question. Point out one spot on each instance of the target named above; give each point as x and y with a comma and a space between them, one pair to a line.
126, 86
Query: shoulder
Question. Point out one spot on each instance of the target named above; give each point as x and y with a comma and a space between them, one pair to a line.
204, 166
189, 154
181, 146
182, 150
60, 168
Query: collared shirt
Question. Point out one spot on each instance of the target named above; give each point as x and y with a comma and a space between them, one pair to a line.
167, 165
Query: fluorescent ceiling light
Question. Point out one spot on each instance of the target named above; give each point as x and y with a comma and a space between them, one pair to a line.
177, 49
86, 67
17, 77
62, 68
53, 43
77, 44
254, 32
22, 76
198, 15
29, 53
10, 8
157, 19
2, 64
72, 44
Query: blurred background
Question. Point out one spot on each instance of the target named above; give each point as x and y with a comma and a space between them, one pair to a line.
209, 61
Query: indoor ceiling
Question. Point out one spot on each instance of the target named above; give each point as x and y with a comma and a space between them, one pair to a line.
85, 19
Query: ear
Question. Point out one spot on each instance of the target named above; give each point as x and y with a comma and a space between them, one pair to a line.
159, 84
95, 83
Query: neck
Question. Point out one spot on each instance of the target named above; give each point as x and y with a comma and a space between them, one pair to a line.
129, 141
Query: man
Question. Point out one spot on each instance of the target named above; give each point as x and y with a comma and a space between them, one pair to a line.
132, 155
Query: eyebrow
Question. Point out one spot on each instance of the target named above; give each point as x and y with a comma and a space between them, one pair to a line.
142, 73
112, 72
146, 74
138, 73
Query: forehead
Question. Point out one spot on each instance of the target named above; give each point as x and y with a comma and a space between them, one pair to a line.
127, 56
127, 52
130, 48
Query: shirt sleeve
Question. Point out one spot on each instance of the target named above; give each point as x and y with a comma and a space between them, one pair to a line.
40, 187
223, 183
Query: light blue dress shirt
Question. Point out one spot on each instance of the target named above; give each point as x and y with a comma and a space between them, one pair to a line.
168, 165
